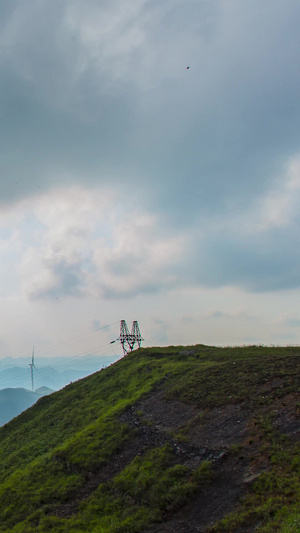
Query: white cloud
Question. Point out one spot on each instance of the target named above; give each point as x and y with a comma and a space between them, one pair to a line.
56, 264
87, 243
141, 258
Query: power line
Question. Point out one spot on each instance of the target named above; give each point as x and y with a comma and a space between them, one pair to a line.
76, 339
79, 358
127, 343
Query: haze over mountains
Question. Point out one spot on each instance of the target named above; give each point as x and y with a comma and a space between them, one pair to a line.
15, 401
51, 372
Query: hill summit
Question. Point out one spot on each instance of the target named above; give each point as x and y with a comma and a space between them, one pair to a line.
178, 439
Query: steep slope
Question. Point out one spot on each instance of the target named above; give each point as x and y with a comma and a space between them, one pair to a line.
177, 439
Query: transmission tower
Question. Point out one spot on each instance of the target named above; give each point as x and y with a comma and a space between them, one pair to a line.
128, 340
136, 334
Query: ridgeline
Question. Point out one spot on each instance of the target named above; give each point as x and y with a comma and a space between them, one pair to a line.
178, 439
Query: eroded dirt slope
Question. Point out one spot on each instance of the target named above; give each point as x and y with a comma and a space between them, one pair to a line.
229, 436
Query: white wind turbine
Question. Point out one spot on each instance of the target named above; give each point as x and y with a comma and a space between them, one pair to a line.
32, 366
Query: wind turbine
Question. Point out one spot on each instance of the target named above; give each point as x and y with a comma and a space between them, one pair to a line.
32, 366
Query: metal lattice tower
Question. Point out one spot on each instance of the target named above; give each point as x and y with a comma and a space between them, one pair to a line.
128, 340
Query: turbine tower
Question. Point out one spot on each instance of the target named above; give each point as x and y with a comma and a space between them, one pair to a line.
32, 366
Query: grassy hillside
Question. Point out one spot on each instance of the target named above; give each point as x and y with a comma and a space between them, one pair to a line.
167, 439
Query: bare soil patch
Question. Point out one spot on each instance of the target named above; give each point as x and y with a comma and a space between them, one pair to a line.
226, 435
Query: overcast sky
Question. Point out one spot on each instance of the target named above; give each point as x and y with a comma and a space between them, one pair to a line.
134, 188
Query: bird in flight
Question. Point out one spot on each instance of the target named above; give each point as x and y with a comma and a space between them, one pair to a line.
187, 68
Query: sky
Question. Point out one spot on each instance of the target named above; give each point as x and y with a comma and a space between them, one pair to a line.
134, 188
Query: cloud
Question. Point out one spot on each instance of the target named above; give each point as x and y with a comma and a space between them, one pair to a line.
66, 280
140, 258
256, 248
290, 322
215, 314
96, 325
104, 95
233, 316
159, 331
135, 176
83, 244
57, 262
187, 320
79, 243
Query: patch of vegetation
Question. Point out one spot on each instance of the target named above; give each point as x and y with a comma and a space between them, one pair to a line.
212, 385
146, 489
291, 524
235, 448
275, 495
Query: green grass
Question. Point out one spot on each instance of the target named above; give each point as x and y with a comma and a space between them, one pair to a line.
291, 524
50, 451
141, 493
276, 493
211, 385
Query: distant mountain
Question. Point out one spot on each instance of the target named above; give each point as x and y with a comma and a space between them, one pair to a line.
15, 401
44, 391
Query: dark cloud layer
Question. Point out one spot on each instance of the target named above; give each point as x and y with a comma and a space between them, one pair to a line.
102, 97
257, 266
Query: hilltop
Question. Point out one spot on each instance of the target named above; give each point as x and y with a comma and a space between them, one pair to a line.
178, 439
